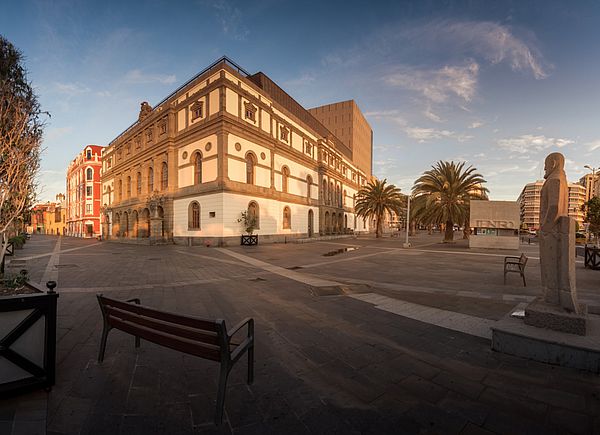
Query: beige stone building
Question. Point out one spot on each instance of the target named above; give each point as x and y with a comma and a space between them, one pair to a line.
591, 187
346, 122
495, 224
529, 204
223, 143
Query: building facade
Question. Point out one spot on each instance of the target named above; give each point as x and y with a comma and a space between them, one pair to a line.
84, 193
346, 122
224, 143
529, 204
591, 184
495, 224
49, 217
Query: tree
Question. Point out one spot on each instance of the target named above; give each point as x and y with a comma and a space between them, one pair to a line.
592, 216
21, 130
443, 195
376, 199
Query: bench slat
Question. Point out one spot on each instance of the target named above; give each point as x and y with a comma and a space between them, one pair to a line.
160, 325
178, 343
193, 322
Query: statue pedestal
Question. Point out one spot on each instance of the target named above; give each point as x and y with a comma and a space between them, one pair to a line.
543, 315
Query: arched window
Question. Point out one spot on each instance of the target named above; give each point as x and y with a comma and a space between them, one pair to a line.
109, 195
344, 198
164, 177
150, 180
254, 213
309, 181
331, 192
250, 162
139, 183
324, 191
88, 154
287, 218
285, 175
128, 187
120, 189
89, 174
197, 168
194, 216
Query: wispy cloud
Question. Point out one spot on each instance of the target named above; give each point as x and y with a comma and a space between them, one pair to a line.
231, 19
476, 124
428, 134
137, 76
304, 80
428, 113
71, 89
593, 145
57, 132
484, 39
437, 85
531, 143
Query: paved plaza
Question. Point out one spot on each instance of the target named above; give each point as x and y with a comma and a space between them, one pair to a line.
375, 339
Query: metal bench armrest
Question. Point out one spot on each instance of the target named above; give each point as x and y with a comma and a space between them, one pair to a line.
135, 300
236, 328
239, 351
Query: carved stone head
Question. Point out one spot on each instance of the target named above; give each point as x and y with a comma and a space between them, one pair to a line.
554, 164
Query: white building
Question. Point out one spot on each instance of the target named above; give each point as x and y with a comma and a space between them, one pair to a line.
223, 143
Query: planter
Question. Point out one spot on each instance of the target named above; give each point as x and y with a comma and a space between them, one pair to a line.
249, 239
592, 257
27, 341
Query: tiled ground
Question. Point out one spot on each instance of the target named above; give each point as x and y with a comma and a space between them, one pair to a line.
324, 364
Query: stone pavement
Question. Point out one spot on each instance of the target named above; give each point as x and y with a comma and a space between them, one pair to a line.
326, 362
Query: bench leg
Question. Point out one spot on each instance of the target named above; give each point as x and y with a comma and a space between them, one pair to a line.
250, 365
105, 331
224, 373
504, 276
523, 275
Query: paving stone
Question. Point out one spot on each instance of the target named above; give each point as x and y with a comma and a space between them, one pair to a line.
462, 406
432, 419
423, 389
570, 421
33, 427
472, 429
515, 424
457, 383
513, 404
102, 424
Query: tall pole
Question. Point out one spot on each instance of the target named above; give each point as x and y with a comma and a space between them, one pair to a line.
407, 243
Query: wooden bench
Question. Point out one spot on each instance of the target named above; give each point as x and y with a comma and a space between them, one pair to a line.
207, 339
516, 265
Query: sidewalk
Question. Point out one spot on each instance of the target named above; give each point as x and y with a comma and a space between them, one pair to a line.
324, 363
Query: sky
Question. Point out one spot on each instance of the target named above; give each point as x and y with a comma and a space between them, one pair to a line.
498, 85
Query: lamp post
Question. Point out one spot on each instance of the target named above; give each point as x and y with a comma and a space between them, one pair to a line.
593, 187
407, 243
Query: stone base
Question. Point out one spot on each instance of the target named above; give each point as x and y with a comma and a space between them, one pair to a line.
543, 315
513, 337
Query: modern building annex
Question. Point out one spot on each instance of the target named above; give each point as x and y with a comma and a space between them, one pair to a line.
223, 143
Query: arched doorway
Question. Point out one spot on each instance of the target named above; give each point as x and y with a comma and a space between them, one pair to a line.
161, 215
310, 222
145, 223
125, 225
135, 224
327, 223
345, 222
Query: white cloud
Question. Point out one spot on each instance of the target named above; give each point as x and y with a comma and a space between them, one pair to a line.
57, 132
103, 94
231, 20
138, 77
427, 134
484, 39
437, 85
428, 113
71, 89
593, 145
476, 124
528, 142
303, 80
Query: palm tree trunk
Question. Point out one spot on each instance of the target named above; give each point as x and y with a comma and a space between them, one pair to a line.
466, 230
449, 233
378, 228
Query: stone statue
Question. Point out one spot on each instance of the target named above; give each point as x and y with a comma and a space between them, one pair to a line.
145, 110
557, 238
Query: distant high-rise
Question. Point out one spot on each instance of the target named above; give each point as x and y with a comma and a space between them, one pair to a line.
529, 202
591, 188
347, 123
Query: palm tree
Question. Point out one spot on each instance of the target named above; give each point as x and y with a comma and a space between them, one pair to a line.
376, 199
444, 192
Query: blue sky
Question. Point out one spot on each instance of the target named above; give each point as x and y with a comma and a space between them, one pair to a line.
497, 84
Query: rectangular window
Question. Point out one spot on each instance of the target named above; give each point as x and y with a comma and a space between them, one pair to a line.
88, 208
88, 190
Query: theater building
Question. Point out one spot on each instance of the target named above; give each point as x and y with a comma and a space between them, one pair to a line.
84, 193
223, 143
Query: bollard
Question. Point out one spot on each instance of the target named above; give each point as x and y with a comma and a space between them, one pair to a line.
51, 285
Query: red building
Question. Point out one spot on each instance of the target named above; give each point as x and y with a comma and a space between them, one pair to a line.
83, 193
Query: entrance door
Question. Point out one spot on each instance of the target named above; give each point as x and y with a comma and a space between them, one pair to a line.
310, 223
89, 229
